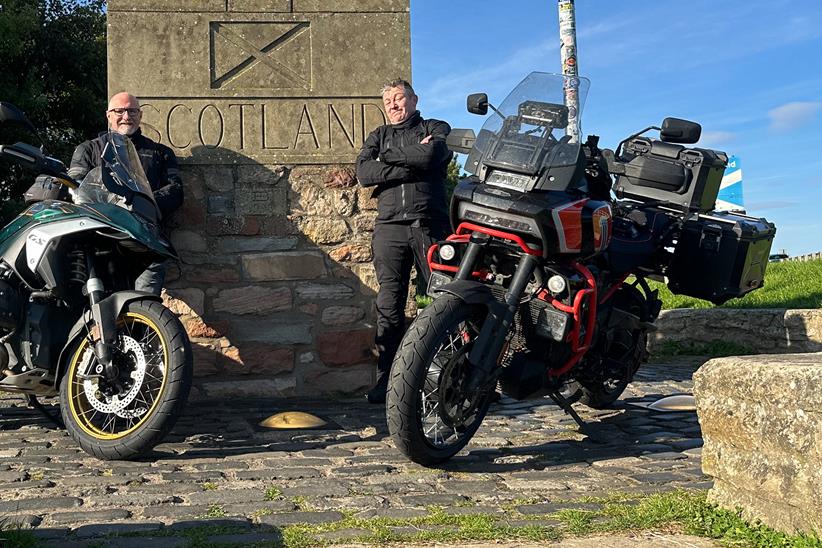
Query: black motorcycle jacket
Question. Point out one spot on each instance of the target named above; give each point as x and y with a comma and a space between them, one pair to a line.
409, 177
158, 161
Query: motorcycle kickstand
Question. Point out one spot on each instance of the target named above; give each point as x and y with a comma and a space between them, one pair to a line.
560, 400
32, 401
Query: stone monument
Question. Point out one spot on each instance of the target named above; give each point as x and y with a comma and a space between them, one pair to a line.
266, 104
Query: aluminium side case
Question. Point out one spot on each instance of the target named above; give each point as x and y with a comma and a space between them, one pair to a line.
720, 256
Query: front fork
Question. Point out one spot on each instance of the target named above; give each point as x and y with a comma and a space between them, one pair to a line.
104, 321
494, 332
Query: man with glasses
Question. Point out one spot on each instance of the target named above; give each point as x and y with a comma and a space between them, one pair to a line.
405, 161
158, 161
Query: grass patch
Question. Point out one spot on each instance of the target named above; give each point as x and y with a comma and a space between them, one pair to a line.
36, 475
789, 284
17, 538
680, 511
209, 486
273, 493
215, 511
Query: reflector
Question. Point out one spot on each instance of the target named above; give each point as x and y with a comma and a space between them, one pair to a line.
293, 420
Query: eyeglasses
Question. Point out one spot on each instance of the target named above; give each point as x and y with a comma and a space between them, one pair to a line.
120, 111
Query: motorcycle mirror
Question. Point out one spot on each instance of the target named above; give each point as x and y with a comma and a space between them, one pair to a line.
676, 130
10, 114
461, 140
478, 103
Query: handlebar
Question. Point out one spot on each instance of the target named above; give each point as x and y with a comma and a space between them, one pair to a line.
33, 159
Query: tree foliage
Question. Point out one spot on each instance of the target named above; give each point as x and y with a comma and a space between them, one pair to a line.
452, 177
54, 70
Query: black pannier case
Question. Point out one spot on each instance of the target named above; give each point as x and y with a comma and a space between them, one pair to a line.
677, 177
720, 256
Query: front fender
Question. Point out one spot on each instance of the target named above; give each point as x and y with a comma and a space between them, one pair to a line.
469, 291
113, 304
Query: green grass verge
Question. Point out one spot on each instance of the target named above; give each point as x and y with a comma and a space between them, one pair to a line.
714, 349
673, 512
789, 284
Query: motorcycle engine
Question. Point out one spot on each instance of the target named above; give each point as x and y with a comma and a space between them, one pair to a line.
9, 306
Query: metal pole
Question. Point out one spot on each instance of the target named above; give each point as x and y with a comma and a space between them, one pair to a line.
570, 67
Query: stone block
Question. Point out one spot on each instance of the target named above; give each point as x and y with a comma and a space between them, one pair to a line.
352, 5
367, 276
192, 213
221, 205
324, 230
253, 300
233, 244
344, 201
261, 201
349, 347
762, 331
297, 265
218, 225
209, 93
215, 178
342, 315
274, 331
307, 196
205, 359
318, 292
197, 328
326, 381
185, 301
257, 388
206, 274
762, 436
258, 359
365, 201
256, 175
188, 240
354, 252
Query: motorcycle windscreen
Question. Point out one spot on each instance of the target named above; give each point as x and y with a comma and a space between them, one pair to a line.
531, 129
124, 176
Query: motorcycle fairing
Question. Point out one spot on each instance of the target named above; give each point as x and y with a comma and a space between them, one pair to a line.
72, 218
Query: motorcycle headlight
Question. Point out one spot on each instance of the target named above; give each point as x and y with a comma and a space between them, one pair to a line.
447, 252
472, 212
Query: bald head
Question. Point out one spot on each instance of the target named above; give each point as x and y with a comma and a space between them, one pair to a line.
124, 113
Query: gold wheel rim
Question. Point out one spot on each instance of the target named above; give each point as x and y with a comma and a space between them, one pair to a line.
85, 415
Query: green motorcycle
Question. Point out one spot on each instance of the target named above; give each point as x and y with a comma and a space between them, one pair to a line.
71, 323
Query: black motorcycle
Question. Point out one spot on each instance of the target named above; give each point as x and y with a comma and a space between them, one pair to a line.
542, 289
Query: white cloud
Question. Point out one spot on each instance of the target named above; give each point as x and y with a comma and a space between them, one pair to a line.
716, 138
793, 115
770, 204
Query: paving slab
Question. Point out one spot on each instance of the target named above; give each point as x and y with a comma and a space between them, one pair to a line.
219, 470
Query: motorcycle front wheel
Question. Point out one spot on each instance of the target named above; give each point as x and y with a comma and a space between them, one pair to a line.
431, 413
126, 417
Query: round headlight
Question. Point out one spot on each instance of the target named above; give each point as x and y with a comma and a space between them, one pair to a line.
447, 252
556, 284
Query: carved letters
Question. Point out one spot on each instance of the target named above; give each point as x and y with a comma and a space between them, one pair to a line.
264, 129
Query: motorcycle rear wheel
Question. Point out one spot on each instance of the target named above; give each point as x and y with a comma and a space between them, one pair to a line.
153, 355
625, 354
431, 416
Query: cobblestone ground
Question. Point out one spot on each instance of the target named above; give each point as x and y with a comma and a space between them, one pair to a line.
219, 468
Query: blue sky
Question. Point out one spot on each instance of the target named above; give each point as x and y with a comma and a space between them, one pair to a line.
750, 71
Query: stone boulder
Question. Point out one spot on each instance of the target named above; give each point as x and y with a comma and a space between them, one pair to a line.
761, 419
761, 330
